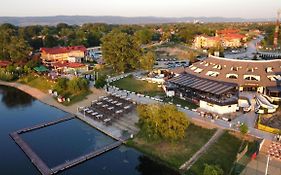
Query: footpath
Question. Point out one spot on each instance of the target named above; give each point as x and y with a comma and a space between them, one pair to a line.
187, 165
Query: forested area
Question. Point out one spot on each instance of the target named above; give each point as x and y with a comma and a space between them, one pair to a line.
124, 46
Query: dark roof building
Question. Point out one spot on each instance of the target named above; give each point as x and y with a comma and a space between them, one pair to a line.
215, 82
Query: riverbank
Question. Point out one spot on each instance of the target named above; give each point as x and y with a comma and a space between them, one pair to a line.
49, 100
45, 98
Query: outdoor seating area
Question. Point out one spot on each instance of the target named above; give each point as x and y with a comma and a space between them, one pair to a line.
274, 150
107, 109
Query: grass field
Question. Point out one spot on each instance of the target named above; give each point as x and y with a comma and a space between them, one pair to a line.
76, 98
175, 154
222, 153
44, 84
38, 82
139, 86
242, 163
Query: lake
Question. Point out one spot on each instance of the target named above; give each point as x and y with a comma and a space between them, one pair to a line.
62, 142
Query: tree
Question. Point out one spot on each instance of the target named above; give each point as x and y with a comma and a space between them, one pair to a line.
19, 49
212, 170
244, 128
162, 121
166, 36
77, 85
100, 82
143, 36
155, 36
120, 51
50, 41
61, 84
147, 61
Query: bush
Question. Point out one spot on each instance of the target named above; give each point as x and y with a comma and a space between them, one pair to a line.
61, 85
244, 128
77, 85
7, 76
100, 83
212, 170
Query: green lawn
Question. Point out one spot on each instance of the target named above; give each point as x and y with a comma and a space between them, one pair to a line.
222, 153
242, 163
183, 103
38, 82
44, 84
106, 70
139, 86
76, 98
175, 154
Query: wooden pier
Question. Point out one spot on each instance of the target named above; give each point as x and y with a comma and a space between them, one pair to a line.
39, 163
84, 158
35, 159
24, 130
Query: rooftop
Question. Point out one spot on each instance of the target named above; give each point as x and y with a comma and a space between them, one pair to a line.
202, 84
243, 72
4, 63
66, 64
59, 50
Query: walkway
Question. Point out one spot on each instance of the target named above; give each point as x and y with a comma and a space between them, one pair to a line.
249, 118
24, 130
187, 165
84, 158
36, 160
49, 100
257, 166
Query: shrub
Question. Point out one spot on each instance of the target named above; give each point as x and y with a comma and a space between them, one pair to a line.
100, 82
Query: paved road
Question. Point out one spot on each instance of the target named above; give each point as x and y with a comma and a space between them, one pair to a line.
248, 118
251, 48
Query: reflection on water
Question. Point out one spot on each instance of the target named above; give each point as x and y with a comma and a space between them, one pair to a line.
14, 98
148, 166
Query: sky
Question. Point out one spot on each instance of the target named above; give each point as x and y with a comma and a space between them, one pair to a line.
133, 8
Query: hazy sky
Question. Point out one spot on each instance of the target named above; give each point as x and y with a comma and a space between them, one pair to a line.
166, 8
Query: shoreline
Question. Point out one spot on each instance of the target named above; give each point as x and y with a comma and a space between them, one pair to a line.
48, 100
112, 132
153, 157
37, 94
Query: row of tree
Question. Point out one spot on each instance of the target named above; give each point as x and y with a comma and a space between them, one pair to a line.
16, 43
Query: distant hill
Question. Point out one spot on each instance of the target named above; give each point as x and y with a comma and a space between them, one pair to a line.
53, 20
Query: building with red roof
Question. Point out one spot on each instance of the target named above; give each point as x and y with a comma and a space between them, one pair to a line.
228, 38
226, 32
49, 56
4, 63
68, 67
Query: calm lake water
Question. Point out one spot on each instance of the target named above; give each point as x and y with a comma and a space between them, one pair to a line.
59, 143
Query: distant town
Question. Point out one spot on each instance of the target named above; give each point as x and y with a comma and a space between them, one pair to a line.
196, 98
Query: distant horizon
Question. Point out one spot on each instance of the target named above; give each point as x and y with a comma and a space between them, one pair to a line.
250, 9
137, 16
